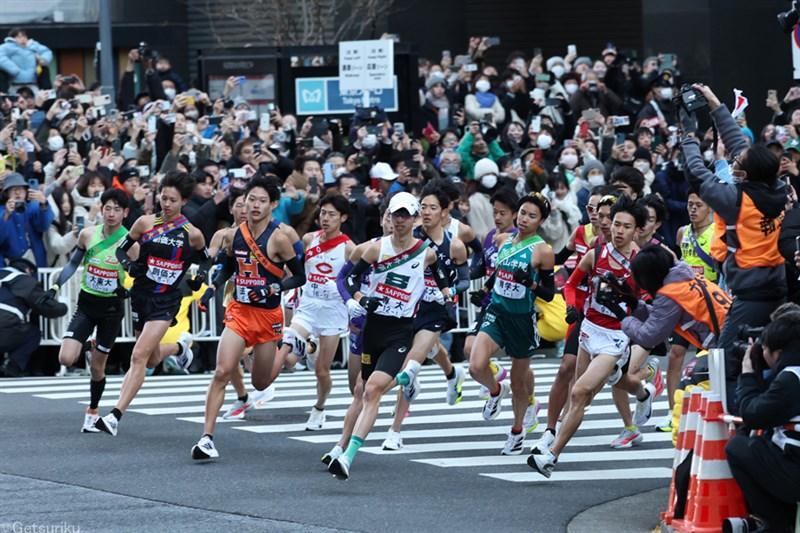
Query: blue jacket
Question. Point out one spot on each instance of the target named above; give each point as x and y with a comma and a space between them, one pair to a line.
289, 207
23, 231
20, 62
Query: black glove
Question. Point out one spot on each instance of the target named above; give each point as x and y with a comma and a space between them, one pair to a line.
523, 277
202, 305
262, 293
371, 303
51, 293
687, 120
476, 297
121, 292
573, 315
610, 301
196, 282
135, 269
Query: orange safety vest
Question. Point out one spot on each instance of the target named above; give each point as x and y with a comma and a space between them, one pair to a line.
704, 301
719, 250
759, 232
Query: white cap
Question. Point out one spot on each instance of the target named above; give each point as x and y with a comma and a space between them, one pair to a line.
383, 171
485, 167
404, 200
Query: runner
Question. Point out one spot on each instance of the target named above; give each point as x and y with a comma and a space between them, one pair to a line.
100, 301
256, 257
321, 313
398, 282
603, 347
524, 272
434, 315
168, 244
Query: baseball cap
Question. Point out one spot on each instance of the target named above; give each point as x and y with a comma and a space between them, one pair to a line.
793, 144
383, 171
404, 200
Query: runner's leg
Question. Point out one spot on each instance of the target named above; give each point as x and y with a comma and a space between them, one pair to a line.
144, 349
229, 353
322, 368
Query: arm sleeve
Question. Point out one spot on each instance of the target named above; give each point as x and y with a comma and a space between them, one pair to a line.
476, 246
462, 278
298, 277
771, 408
71, 267
299, 249
439, 277
546, 288
122, 250
730, 132
571, 287
350, 281
342, 281
662, 318
225, 271
477, 266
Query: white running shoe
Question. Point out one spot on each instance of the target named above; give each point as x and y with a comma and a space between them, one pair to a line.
412, 390
544, 443
204, 449
644, 408
335, 453
455, 387
627, 439
261, 397
514, 444
544, 463
315, 420
500, 373
238, 409
340, 468
531, 419
88, 423
494, 404
108, 423
185, 356
393, 441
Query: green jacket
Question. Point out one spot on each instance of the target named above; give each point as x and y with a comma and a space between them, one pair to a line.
468, 161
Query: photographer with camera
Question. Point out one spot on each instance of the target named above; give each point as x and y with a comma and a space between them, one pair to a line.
25, 216
767, 467
751, 210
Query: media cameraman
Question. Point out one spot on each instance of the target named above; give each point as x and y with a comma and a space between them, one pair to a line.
767, 467
748, 215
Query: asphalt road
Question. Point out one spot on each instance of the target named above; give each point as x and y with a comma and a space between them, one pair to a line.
145, 480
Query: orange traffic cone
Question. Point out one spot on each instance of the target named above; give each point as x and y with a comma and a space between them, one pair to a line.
680, 455
696, 410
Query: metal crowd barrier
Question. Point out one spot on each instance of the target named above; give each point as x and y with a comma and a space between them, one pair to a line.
203, 325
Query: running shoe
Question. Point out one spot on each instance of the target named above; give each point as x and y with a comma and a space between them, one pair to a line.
393, 441
89, 421
627, 439
340, 468
185, 356
108, 423
238, 409
531, 419
544, 463
171, 366
315, 420
542, 445
514, 444
644, 408
204, 449
335, 453
655, 376
500, 373
261, 397
615, 376
494, 404
455, 387
665, 425
411, 391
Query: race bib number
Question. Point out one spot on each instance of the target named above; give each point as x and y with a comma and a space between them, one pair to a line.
163, 271
101, 279
244, 284
320, 286
506, 287
432, 292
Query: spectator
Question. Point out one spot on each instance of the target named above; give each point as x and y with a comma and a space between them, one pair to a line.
484, 105
474, 145
480, 216
21, 58
26, 217
62, 235
202, 207
86, 195
165, 72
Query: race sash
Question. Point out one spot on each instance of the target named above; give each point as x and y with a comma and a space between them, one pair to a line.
618, 257
107, 242
393, 262
161, 229
704, 257
323, 247
522, 245
262, 259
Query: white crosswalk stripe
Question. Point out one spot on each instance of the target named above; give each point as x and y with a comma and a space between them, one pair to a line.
435, 434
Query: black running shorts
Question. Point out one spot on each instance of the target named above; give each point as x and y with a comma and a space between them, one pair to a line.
105, 314
386, 344
149, 307
432, 317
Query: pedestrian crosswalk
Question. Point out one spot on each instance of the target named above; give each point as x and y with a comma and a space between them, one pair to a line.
434, 434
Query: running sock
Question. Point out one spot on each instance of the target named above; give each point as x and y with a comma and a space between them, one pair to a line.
96, 389
243, 399
209, 435
452, 374
352, 448
117, 413
632, 428
551, 430
403, 378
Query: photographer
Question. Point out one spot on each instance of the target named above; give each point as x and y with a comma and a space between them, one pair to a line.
752, 209
767, 467
25, 216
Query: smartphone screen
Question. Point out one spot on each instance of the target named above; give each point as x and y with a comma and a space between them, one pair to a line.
313, 186
619, 138
327, 173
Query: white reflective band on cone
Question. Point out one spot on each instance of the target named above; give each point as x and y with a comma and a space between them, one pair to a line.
714, 470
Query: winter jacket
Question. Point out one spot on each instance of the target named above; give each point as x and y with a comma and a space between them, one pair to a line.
468, 161
25, 231
20, 61
564, 218
474, 111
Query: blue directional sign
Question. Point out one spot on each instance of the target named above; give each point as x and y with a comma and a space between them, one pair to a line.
321, 96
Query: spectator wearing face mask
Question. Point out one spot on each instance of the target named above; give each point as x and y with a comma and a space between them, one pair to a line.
594, 94
436, 108
568, 161
484, 102
557, 66
514, 96
556, 230
592, 175
643, 162
481, 216
659, 101
450, 165
165, 72
127, 97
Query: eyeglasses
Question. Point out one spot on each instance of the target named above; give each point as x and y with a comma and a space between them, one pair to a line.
591, 208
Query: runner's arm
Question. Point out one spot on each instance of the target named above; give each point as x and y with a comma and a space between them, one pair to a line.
544, 260
571, 287
70, 268
127, 243
298, 277
459, 254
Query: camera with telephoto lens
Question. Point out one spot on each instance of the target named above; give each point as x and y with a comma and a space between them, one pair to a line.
145, 52
690, 99
789, 19
742, 343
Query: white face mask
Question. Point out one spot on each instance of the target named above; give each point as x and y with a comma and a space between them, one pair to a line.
595, 180
570, 161
483, 85
510, 84
665, 93
370, 141
489, 181
642, 166
170, 92
571, 88
558, 70
544, 141
319, 144
601, 73
55, 143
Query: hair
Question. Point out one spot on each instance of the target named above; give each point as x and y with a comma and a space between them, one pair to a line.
760, 164
781, 331
451, 189
506, 196
338, 202
630, 177
13, 32
60, 221
650, 266
25, 92
181, 181
300, 162
200, 176
83, 182
237, 150
555, 179
655, 201
633, 208
115, 195
603, 190
268, 184
538, 200
434, 188
233, 195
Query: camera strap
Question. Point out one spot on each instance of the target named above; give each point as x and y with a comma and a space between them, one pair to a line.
711, 312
